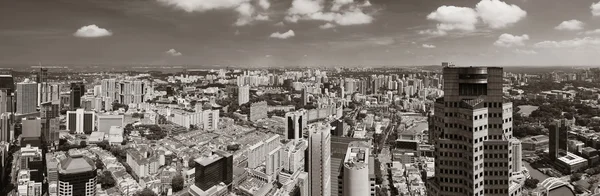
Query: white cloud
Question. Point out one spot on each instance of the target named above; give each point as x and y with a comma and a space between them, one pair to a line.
572, 43
508, 40
92, 31
279, 24
570, 25
498, 14
337, 4
525, 51
302, 7
436, 32
428, 46
454, 18
591, 32
245, 8
327, 26
264, 4
285, 35
173, 52
341, 12
203, 5
595, 9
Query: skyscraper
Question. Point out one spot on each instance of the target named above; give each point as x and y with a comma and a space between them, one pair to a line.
243, 94
80, 121
213, 170
304, 97
295, 123
6, 127
318, 159
472, 131
26, 97
356, 170
77, 90
559, 133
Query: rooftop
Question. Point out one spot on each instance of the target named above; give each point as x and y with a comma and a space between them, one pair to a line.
357, 156
76, 164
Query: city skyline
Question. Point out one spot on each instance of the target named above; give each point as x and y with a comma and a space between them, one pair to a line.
258, 33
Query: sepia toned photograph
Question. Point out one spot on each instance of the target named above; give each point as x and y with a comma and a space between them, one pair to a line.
299, 97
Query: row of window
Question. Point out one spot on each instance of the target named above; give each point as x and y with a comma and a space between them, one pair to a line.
453, 104
496, 173
496, 191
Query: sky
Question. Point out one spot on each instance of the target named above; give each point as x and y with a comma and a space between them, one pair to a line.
285, 33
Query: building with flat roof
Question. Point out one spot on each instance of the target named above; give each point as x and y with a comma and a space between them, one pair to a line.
213, 170
115, 135
105, 122
318, 159
571, 163
356, 170
26, 97
77, 176
81, 121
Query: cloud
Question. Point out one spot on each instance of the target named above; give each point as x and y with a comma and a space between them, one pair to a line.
498, 14
92, 31
508, 40
173, 52
327, 26
428, 46
572, 43
595, 9
591, 32
454, 18
279, 24
245, 8
494, 13
525, 51
264, 4
285, 35
341, 12
570, 25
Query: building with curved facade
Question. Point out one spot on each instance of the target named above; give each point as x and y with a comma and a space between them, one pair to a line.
356, 170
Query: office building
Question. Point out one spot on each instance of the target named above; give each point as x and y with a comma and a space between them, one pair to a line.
48, 92
559, 133
318, 159
31, 160
31, 131
49, 110
295, 124
304, 97
52, 174
77, 91
472, 131
51, 131
339, 147
517, 158
26, 98
243, 94
106, 121
356, 170
6, 101
213, 170
77, 176
80, 121
6, 127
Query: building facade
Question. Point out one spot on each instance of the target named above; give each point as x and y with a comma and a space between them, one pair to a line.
81, 121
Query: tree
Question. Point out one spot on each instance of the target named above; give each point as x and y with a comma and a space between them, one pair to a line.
575, 177
191, 162
177, 183
106, 180
99, 164
531, 183
146, 192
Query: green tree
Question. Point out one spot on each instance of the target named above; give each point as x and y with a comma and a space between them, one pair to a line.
531, 183
177, 183
191, 162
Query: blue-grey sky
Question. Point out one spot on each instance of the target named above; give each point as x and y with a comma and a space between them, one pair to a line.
300, 32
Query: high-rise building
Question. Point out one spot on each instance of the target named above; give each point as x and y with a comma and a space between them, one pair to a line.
472, 131
80, 121
356, 170
559, 133
243, 94
273, 162
304, 96
26, 97
318, 159
296, 121
6, 101
52, 174
213, 170
77, 176
6, 127
77, 91
517, 151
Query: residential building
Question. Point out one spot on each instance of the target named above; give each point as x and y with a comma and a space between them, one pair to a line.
243, 94
318, 159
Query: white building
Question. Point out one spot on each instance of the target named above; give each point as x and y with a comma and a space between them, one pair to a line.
80, 121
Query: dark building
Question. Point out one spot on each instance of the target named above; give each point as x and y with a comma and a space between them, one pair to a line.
77, 90
49, 110
214, 169
77, 176
294, 125
559, 132
339, 128
42, 76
